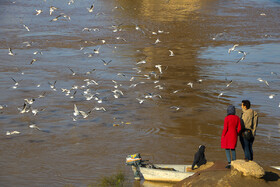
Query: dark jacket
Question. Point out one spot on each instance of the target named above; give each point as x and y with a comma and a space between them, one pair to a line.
199, 157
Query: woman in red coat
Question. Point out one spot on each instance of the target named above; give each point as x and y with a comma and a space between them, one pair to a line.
231, 129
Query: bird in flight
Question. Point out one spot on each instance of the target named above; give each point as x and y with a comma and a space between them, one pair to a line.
33, 60
11, 52
91, 8
26, 27
106, 63
38, 12
232, 48
52, 8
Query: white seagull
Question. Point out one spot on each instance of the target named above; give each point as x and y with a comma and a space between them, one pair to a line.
85, 114
190, 84
271, 96
26, 27
222, 93
76, 111
23, 109
175, 107
157, 41
230, 82
38, 12
8, 133
232, 48
106, 63
16, 83
91, 8
70, 2
261, 80
52, 86
30, 101
73, 73
159, 68
141, 62
11, 52
52, 8
140, 100
171, 53
33, 126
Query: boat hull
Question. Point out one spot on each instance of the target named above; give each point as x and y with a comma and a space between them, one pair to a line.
150, 174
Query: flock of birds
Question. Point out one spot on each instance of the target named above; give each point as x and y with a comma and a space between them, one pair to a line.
117, 91
86, 89
234, 49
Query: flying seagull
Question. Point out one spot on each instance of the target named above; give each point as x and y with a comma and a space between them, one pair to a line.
76, 111
230, 82
52, 86
52, 8
23, 109
8, 133
38, 12
70, 2
232, 48
159, 68
33, 126
91, 8
11, 52
140, 100
243, 57
26, 27
33, 60
157, 41
106, 63
73, 73
261, 80
16, 83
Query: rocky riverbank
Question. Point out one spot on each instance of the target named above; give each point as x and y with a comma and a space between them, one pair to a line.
218, 175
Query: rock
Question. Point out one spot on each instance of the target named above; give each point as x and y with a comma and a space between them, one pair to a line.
202, 167
250, 168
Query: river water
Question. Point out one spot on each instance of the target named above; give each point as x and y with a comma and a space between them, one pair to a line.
166, 105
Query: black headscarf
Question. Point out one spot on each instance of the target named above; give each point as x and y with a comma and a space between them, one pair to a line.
231, 110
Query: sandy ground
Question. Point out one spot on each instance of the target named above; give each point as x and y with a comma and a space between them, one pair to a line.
218, 175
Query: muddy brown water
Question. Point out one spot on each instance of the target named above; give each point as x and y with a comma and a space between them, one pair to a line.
199, 32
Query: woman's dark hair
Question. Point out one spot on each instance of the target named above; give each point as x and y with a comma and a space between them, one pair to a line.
246, 103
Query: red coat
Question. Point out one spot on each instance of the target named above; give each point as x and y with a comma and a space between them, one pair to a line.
232, 127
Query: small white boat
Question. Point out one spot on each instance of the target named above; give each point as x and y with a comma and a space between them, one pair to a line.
162, 172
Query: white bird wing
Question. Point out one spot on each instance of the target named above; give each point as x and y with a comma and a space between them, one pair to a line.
26, 27
84, 114
76, 112
159, 68
266, 83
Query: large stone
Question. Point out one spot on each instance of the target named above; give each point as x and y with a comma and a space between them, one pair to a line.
250, 168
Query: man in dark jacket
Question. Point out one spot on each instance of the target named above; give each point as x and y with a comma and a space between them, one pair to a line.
199, 157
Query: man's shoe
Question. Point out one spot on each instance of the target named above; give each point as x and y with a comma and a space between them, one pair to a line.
246, 160
228, 166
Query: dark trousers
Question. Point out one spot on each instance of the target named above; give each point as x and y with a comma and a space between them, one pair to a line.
247, 146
